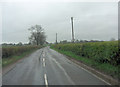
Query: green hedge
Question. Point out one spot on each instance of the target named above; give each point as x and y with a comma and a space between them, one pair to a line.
16, 50
102, 52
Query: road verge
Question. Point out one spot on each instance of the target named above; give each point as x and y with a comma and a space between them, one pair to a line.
106, 78
12, 64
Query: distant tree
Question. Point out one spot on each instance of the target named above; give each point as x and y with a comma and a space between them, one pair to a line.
37, 35
85, 41
47, 42
64, 41
4, 44
112, 39
76, 41
93, 41
81, 41
20, 44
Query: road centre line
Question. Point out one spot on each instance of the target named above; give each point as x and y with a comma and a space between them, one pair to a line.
43, 59
46, 81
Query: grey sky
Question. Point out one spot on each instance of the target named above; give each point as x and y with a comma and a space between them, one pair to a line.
92, 20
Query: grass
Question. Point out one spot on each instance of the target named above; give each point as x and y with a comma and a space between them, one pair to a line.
103, 67
12, 59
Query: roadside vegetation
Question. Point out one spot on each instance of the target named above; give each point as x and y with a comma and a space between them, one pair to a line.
11, 54
103, 56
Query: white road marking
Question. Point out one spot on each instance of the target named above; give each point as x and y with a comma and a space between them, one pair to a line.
46, 81
96, 76
92, 74
43, 59
70, 80
84, 69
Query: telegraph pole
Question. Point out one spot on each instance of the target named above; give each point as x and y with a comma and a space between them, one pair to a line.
72, 30
56, 38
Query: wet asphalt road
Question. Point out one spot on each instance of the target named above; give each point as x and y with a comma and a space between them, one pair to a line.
48, 67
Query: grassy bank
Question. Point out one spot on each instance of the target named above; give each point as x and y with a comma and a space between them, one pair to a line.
13, 53
98, 60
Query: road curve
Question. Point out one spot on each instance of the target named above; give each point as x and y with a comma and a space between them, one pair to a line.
48, 67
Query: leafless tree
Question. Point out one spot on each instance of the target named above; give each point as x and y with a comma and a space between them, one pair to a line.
37, 35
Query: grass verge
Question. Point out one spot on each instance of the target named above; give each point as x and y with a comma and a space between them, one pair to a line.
105, 68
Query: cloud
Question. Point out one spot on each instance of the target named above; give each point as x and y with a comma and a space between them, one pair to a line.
92, 20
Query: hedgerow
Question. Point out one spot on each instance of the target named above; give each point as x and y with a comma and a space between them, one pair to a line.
102, 52
16, 50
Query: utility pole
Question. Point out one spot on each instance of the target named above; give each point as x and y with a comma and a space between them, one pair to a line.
72, 30
56, 38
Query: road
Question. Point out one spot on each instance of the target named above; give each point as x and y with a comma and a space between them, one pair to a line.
48, 67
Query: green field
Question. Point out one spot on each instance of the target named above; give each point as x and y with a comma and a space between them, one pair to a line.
11, 54
104, 56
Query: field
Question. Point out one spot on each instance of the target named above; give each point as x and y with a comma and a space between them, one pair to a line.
11, 54
104, 56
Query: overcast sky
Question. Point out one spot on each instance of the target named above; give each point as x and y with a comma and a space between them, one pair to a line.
92, 20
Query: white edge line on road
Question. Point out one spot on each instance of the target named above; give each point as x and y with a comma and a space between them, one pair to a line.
46, 81
95, 75
64, 71
91, 73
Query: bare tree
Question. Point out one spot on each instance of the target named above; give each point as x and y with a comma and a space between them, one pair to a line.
37, 35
